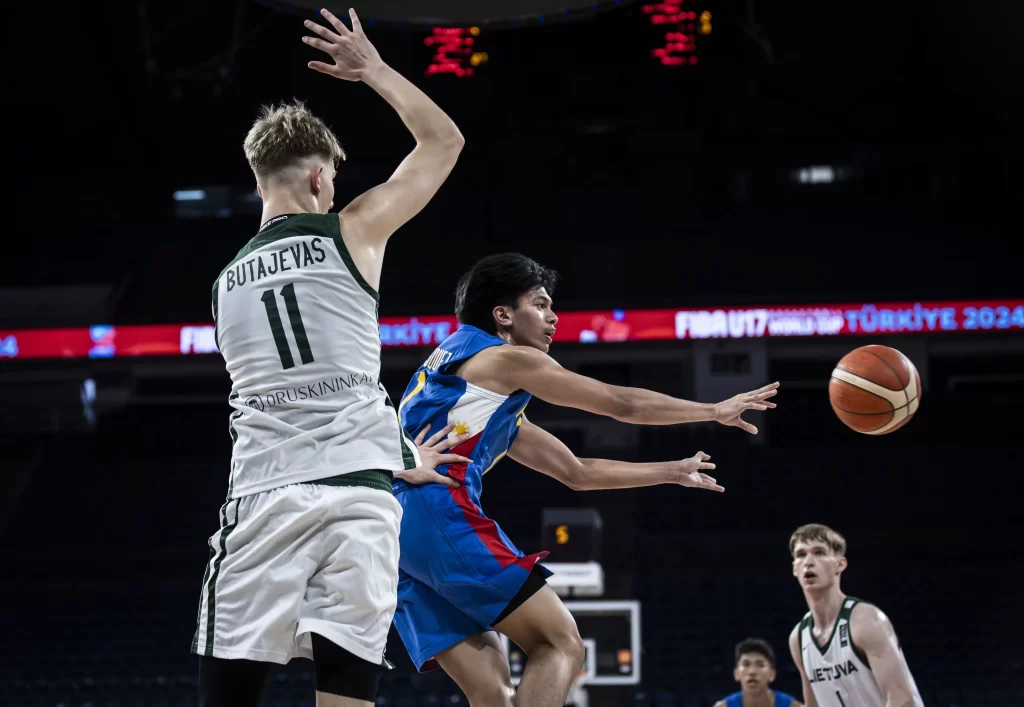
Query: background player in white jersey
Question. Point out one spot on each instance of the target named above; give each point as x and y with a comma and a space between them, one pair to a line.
306, 560
846, 649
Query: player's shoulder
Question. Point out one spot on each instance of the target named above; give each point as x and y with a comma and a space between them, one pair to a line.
869, 625
795, 633
865, 615
784, 699
506, 355
866, 611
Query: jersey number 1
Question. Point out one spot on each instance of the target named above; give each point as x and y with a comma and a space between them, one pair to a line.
840, 698
277, 329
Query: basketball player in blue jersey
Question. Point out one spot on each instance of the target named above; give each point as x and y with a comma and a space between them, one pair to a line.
460, 577
755, 672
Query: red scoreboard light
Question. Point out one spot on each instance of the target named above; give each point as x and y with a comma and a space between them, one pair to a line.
454, 51
679, 45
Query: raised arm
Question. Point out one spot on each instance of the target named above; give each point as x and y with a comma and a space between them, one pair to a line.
794, 651
372, 217
871, 631
525, 368
541, 451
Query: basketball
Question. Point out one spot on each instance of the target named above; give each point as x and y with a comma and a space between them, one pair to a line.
875, 390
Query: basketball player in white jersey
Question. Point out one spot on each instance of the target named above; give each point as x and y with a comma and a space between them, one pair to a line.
306, 560
845, 649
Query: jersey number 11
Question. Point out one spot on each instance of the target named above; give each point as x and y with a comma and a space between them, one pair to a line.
277, 328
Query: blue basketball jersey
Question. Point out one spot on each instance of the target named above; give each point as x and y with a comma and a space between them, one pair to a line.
437, 397
458, 570
781, 699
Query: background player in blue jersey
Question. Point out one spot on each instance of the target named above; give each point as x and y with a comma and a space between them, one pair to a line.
460, 577
755, 672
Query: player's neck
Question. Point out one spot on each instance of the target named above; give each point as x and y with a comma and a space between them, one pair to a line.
278, 204
825, 606
758, 698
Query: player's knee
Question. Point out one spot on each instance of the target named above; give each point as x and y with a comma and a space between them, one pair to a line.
574, 648
568, 642
493, 693
340, 673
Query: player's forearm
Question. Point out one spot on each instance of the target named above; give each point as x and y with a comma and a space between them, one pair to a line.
902, 699
645, 407
424, 119
598, 474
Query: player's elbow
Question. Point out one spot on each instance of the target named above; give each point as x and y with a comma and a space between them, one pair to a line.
456, 141
900, 696
574, 476
448, 140
624, 407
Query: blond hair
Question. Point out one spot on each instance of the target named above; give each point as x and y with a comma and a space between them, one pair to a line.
817, 533
286, 133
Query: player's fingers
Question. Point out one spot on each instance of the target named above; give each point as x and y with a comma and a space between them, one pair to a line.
768, 388
450, 442
321, 30
356, 26
322, 67
446, 481
755, 406
770, 405
453, 459
711, 486
421, 435
746, 426
705, 465
707, 478
337, 24
440, 434
318, 44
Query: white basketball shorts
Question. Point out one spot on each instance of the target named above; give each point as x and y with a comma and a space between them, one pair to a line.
298, 559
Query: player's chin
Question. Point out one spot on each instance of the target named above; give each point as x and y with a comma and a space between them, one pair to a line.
541, 343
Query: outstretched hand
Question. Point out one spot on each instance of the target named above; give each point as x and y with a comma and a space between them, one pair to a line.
352, 52
432, 455
690, 473
729, 411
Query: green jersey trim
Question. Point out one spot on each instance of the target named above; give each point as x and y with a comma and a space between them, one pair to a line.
339, 243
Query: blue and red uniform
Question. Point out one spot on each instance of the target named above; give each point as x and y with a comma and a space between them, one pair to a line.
457, 569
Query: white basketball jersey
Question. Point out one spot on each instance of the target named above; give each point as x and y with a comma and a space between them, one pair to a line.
297, 326
839, 673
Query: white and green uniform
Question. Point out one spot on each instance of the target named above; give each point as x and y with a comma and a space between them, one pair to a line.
297, 326
839, 672
309, 533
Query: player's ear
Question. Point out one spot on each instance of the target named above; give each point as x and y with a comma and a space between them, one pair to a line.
841, 565
314, 179
771, 675
736, 673
502, 315
259, 190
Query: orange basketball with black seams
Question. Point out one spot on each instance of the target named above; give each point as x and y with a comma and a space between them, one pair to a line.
875, 390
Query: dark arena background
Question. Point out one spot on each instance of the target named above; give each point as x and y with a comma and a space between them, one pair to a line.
733, 191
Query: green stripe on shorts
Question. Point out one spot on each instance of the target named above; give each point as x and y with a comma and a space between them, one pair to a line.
211, 589
370, 478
